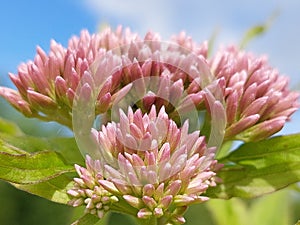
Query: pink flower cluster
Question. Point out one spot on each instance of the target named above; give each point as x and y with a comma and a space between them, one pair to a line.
47, 85
256, 96
146, 160
258, 101
148, 164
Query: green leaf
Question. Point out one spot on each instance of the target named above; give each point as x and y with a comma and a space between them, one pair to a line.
9, 127
224, 150
252, 33
258, 168
233, 211
212, 41
54, 189
9, 148
67, 147
13, 141
110, 218
271, 209
258, 30
40, 166
32, 168
280, 149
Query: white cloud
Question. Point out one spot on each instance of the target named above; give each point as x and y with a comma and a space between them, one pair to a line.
201, 18
140, 15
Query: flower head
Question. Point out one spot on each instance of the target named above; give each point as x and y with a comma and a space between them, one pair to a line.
258, 101
151, 164
47, 85
107, 63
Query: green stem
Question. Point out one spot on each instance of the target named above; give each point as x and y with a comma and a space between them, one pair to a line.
151, 221
162, 221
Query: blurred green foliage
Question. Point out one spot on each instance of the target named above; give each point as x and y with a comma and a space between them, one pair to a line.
280, 208
21, 208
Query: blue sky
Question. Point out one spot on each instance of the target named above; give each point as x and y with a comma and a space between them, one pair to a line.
26, 24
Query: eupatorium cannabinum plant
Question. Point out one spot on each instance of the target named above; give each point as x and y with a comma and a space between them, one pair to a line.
168, 115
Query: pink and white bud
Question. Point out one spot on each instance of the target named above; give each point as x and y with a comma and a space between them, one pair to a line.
88, 191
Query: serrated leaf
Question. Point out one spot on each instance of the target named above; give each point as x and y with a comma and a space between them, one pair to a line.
13, 141
259, 168
281, 149
39, 166
66, 146
54, 189
32, 168
249, 182
10, 148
